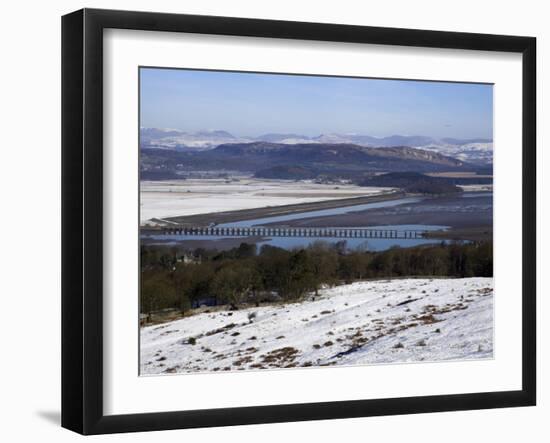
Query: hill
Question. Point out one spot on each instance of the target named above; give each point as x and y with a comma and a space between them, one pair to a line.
413, 182
296, 161
409, 320
472, 150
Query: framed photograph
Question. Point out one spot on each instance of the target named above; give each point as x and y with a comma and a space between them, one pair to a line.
268, 221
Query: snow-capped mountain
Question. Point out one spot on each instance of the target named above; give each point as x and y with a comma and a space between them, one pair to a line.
284, 138
178, 140
479, 151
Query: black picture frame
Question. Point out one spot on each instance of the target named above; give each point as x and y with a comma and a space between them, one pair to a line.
82, 215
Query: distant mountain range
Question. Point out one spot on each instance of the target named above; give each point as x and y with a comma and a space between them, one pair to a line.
297, 161
477, 151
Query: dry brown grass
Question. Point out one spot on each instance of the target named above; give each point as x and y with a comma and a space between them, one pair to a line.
280, 357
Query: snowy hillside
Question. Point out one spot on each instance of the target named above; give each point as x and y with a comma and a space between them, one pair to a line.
154, 138
481, 153
384, 321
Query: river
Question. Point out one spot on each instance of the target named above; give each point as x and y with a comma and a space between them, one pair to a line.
410, 213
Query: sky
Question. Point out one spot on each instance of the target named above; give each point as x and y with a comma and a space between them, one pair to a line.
251, 104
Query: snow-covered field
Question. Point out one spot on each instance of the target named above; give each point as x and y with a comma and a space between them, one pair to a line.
160, 199
409, 320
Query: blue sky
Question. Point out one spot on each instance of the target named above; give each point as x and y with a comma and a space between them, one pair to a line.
255, 104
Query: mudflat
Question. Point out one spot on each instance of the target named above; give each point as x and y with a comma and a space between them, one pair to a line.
274, 211
455, 212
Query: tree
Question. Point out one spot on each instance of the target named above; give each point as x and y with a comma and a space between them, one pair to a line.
382, 264
354, 266
483, 257
273, 264
324, 264
192, 282
246, 250
233, 282
301, 275
182, 280
156, 292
